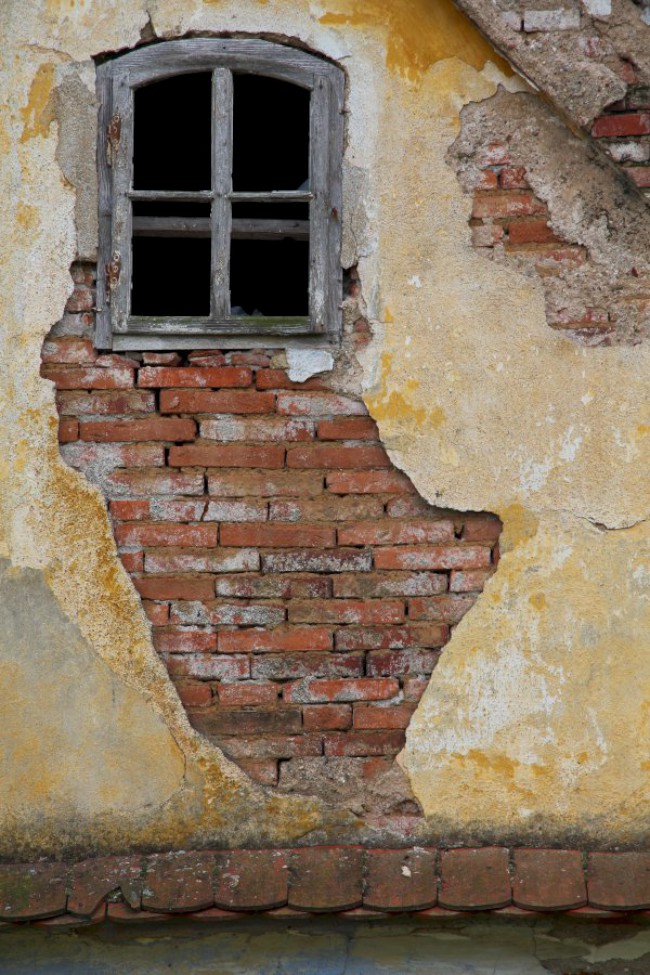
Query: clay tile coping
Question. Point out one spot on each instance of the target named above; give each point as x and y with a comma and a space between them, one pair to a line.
351, 880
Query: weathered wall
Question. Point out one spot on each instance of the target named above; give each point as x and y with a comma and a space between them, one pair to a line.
499, 743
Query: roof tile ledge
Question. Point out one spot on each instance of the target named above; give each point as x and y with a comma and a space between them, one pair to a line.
350, 881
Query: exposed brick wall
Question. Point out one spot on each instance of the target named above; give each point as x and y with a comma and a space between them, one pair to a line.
300, 591
509, 219
624, 132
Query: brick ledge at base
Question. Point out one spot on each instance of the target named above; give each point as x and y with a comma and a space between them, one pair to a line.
349, 880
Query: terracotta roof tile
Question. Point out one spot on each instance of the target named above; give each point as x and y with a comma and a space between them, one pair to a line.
548, 880
93, 880
401, 880
178, 882
251, 880
475, 880
326, 878
619, 881
32, 890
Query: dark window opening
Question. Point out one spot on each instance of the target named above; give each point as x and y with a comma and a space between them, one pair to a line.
269, 277
171, 276
270, 134
172, 134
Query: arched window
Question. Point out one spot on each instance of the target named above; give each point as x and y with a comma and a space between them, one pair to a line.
220, 194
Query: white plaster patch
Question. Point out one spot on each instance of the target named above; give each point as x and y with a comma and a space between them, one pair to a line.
305, 363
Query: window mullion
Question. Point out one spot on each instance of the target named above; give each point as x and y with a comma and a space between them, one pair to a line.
222, 149
319, 206
120, 258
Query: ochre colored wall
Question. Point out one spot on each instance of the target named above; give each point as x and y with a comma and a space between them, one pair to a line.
535, 721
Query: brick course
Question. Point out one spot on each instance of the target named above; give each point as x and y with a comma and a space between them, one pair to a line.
300, 592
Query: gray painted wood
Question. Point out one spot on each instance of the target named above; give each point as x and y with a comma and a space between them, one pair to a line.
116, 82
222, 148
202, 227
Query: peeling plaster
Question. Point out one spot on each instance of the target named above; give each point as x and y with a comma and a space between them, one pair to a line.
465, 414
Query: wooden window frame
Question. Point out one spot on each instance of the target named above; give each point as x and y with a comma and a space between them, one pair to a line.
116, 82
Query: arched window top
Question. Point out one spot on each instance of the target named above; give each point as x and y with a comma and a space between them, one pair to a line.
220, 193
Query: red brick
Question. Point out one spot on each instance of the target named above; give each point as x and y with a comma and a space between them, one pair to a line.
151, 428
359, 743
317, 560
513, 178
319, 404
284, 587
184, 639
264, 483
165, 533
251, 880
81, 299
531, 232
640, 174
327, 717
88, 378
631, 123
110, 360
82, 273
226, 455
619, 881
194, 694
471, 581
278, 379
369, 717
161, 358
475, 879
303, 638
396, 663
208, 401
272, 746
348, 428
105, 402
231, 510
258, 358
93, 880
548, 880
132, 561
346, 611
487, 180
326, 879
369, 482
157, 613
68, 350
391, 637
393, 532
327, 508
481, 528
337, 456
442, 609
414, 687
201, 560
217, 721
207, 666
174, 509
32, 890
248, 694
86, 455
229, 613
188, 376
259, 429
263, 770
400, 880
278, 536
206, 358
175, 587
387, 584
295, 666
130, 510
317, 691
127, 483
413, 506
506, 203
178, 882
429, 557
68, 429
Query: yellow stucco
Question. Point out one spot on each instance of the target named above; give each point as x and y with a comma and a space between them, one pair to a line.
477, 399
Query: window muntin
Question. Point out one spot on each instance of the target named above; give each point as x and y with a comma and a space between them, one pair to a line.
252, 207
